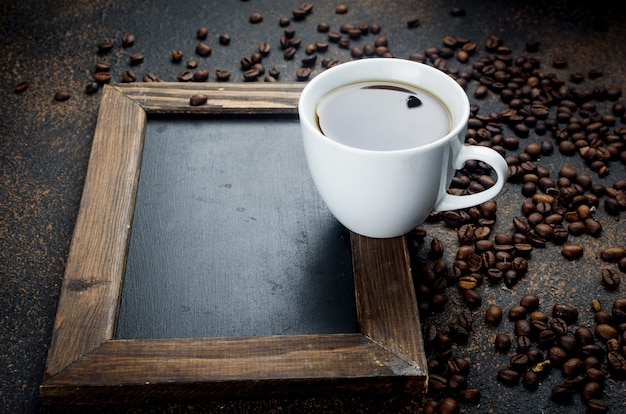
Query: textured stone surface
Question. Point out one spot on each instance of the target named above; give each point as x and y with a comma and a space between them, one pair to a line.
45, 145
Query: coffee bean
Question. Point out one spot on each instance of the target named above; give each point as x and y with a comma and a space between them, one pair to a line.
523, 343
618, 310
558, 326
224, 39
610, 279
493, 315
177, 55
222, 75
566, 312
517, 312
202, 33
255, 18
508, 377
502, 343
200, 75
584, 336
136, 58
597, 406
203, 49
471, 298
563, 393
613, 254
151, 77
470, 396
341, 9
198, 99
129, 76
20, 87
61, 96
105, 47
103, 66
572, 252
185, 76
413, 22
604, 332
303, 74
91, 88
449, 405
102, 77
128, 39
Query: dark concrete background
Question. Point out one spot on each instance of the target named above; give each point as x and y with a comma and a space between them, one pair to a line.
45, 144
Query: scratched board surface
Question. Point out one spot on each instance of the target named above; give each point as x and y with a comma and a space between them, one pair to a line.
229, 237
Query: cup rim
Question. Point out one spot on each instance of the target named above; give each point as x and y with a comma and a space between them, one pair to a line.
304, 107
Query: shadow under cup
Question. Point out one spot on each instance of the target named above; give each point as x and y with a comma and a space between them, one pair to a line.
387, 193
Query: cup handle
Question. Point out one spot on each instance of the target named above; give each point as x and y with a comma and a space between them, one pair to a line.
475, 152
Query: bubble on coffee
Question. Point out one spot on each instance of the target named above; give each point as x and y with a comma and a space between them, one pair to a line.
382, 116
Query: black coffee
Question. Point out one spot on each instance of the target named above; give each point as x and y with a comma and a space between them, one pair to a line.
382, 116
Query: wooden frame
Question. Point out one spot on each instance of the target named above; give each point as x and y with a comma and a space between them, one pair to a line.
86, 364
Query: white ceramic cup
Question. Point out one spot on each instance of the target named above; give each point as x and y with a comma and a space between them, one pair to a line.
384, 194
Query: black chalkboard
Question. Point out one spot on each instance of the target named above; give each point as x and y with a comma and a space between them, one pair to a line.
230, 238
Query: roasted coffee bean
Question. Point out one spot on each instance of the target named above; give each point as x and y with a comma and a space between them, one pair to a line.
224, 39
437, 382
584, 336
519, 362
493, 315
251, 74
449, 405
522, 327
566, 312
563, 392
470, 396
472, 299
618, 310
597, 406
255, 18
151, 77
200, 75
128, 39
61, 96
222, 75
530, 380
185, 76
303, 74
458, 365
129, 76
502, 343
558, 326
136, 58
457, 382
613, 254
530, 302
91, 88
517, 312
105, 47
508, 377
203, 49
610, 279
604, 332
616, 364
21, 87
202, 33
430, 407
557, 356
102, 77
523, 343
572, 251
571, 367
289, 52
103, 66
198, 99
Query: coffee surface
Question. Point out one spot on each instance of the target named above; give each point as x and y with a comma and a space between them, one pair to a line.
382, 116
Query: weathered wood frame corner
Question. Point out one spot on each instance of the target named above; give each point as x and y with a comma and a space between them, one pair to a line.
87, 365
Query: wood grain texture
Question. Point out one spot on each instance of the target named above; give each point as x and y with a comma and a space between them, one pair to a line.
88, 303
86, 365
223, 98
